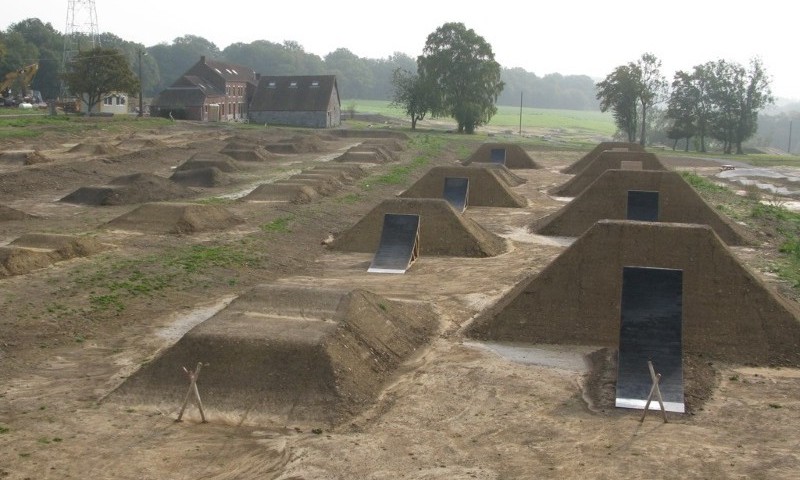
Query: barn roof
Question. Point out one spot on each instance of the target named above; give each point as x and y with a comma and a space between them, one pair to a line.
294, 93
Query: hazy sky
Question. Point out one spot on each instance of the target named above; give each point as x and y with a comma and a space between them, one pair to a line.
563, 36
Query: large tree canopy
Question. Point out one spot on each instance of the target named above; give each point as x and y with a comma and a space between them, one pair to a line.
630, 91
412, 95
461, 65
99, 72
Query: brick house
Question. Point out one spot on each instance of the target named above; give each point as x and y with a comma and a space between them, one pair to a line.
209, 91
300, 100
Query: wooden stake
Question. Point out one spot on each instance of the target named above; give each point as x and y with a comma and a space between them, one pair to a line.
192, 389
654, 390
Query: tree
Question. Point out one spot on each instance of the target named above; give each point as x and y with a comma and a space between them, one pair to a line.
412, 95
619, 93
353, 74
49, 45
459, 66
652, 86
632, 90
756, 96
173, 60
99, 72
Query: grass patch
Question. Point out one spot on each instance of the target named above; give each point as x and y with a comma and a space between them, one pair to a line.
702, 184
200, 257
349, 199
4, 429
279, 225
215, 201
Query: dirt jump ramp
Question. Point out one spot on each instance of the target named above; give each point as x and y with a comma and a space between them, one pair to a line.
222, 162
8, 214
442, 230
608, 198
130, 189
282, 192
202, 177
729, 313
509, 154
607, 160
176, 218
38, 250
291, 353
585, 160
486, 187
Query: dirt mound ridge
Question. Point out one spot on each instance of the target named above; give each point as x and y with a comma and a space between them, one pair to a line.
323, 184
38, 250
607, 160
295, 353
177, 218
728, 312
246, 152
139, 143
443, 232
95, 149
130, 189
8, 214
516, 157
282, 192
25, 157
391, 144
502, 172
345, 175
298, 144
372, 133
201, 177
486, 188
220, 161
607, 198
585, 160
366, 154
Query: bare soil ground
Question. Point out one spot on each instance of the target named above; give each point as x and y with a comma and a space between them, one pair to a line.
72, 332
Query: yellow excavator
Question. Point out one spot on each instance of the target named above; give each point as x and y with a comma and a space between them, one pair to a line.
16, 86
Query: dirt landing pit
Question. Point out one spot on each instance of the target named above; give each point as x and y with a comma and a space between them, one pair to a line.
177, 218
289, 353
442, 230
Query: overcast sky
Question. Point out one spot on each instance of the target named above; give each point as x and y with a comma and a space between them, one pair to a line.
557, 36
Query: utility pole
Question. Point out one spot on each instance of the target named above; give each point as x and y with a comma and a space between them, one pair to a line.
141, 103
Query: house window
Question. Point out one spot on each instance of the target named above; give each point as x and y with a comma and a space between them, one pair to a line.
120, 100
315, 83
271, 85
292, 84
108, 101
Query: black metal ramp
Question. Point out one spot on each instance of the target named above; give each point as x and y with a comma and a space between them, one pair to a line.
650, 329
399, 245
456, 192
498, 155
642, 206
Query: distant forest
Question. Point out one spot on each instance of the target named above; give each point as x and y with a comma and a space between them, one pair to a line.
30, 41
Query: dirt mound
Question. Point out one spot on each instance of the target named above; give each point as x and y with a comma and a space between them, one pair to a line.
585, 160
510, 178
324, 184
95, 149
371, 133
178, 218
301, 354
367, 154
38, 250
515, 156
282, 192
130, 189
607, 160
443, 232
728, 312
391, 144
345, 175
24, 157
379, 150
607, 198
298, 144
140, 143
248, 155
201, 177
220, 161
8, 214
486, 189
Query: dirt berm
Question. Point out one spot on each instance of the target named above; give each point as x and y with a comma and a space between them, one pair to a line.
728, 312
515, 156
442, 231
486, 188
607, 198
585, 160
293, 353
608, 160
177, 218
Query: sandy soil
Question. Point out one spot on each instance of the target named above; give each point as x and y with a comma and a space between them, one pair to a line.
457, 409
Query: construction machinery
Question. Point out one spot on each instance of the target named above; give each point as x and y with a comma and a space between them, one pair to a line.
16, 86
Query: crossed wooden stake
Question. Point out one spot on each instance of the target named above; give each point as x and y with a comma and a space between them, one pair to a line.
653, 390
193, 389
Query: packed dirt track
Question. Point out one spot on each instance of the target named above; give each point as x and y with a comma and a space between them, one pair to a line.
121, 278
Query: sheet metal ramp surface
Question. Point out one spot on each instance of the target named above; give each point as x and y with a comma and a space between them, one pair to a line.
498, 156
399, 244
456, 192
650, 329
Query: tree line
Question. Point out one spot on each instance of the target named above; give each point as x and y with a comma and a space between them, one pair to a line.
718, 100
31, 41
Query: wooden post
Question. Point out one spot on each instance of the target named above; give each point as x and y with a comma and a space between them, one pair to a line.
654, 390
193, 389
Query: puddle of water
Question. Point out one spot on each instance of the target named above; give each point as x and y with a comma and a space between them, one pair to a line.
565, 357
